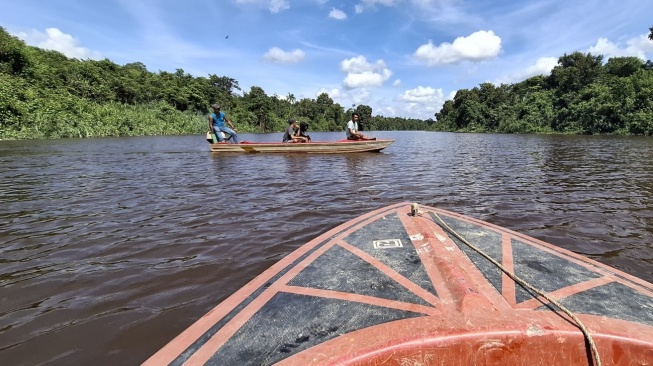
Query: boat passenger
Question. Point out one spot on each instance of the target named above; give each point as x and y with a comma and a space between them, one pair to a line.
291, 134
352, 129
303, 127
217, 121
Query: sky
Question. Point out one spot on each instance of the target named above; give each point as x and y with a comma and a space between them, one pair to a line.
403, 58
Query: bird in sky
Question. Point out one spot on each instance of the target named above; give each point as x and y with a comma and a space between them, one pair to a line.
226, 36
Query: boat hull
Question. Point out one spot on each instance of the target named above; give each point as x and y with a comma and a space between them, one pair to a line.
397, 287
318, 147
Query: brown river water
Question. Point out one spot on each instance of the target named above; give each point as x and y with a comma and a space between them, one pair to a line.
109, 248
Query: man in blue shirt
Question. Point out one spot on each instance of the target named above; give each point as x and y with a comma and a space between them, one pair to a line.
217, 123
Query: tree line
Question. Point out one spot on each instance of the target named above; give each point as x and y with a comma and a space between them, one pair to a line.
44, 94
582, 95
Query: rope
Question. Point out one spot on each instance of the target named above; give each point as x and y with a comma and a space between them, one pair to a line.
586, 333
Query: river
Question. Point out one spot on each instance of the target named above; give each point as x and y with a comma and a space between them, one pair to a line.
111, 247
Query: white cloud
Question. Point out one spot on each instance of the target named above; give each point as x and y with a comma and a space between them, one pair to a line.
372, 3
423, 95
274, 6
422, 101
363, 74
396, 83
366, 79
278, 5
382, 2
334, 93
337, 14
478, 46
279, 56
636, 47
347, 97
56, 40
362, 96
387, 111
542, 66
360, 64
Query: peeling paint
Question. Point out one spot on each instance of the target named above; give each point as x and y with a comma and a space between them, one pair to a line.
417, 360
491, 344
534, 330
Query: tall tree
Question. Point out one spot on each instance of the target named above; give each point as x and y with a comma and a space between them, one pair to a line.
13, 58
323, 102
575, 71
623, 66
260, 104
365, 112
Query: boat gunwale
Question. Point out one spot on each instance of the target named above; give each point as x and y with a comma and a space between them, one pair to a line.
313, 147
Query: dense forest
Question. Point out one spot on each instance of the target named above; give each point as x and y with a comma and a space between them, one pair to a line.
582, 96
44, 94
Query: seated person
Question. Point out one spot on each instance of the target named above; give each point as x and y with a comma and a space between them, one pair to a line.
303, 127
291, 132
352, 129
217, 124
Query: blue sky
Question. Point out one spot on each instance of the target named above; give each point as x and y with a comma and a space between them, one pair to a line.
401, 57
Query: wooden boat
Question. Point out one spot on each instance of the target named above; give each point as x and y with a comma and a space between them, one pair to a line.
317, 147
422, 286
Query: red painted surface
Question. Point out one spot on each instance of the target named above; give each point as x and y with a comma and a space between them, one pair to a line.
470, 323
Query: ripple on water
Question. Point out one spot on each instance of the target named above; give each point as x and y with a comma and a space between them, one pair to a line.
110, 247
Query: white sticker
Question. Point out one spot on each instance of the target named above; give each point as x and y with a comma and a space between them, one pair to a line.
387, 244
417, 237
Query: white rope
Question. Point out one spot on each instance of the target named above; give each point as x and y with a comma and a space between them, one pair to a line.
586, 333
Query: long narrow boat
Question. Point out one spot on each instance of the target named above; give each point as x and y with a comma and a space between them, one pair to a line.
410, 285
317, 147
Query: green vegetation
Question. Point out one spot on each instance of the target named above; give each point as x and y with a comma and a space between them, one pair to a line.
44, 94
581, 96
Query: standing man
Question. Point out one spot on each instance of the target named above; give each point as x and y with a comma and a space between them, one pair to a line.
352, 129
217, 123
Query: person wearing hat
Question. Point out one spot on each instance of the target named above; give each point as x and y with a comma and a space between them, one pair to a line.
217, 121
291, 132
